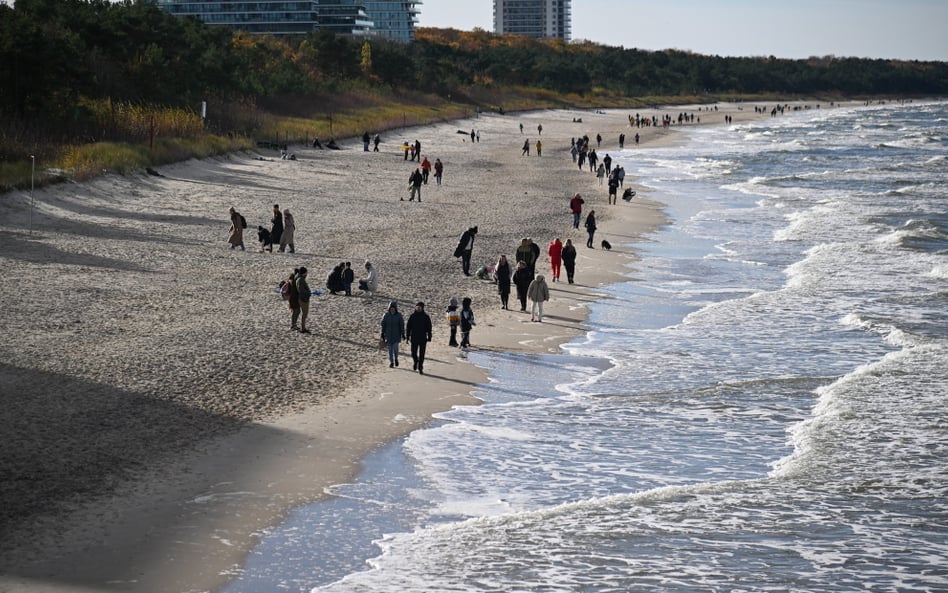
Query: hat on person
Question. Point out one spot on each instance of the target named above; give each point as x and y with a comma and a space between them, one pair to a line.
393, 304
453, 301
302, 270
420, 304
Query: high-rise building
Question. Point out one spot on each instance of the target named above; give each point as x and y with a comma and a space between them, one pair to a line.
394, 19
277, 17
543, 19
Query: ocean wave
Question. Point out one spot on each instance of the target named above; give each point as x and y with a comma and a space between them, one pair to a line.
939, 271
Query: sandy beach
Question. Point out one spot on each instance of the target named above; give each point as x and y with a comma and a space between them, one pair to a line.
158, 410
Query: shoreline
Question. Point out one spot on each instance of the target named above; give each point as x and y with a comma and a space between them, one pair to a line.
194, 518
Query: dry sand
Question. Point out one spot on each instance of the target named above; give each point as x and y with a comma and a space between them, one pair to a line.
157, 410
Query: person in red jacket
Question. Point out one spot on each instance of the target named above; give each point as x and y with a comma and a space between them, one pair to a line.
576, 207
555, 251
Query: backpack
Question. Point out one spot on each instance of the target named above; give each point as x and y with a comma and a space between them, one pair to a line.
285, 290
243, 221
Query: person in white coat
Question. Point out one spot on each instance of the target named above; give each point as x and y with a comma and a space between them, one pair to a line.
538, 293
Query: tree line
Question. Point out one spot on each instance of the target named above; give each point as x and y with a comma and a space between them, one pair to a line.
58, 57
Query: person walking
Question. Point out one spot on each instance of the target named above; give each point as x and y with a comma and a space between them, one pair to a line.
418, 329
465, 248
438, 170
289, 232
555, 251
276, 226
237, 226
525, 151
467, 322
454, 320
502, 276
425, 170
393, 330
538, 293
569, 260
526, 255
365, 141
539, 147
414, 185
590, 228
522, 279
302, 289
576, 207
417, 155
375, 142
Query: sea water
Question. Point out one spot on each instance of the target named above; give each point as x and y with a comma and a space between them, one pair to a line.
761, 407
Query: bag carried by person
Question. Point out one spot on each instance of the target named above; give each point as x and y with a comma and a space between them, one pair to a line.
243, 221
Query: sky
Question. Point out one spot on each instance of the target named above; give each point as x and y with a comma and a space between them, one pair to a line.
795, 29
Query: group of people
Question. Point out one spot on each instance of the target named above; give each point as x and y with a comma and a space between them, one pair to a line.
417, 331
296, 291
282, 231
420, 175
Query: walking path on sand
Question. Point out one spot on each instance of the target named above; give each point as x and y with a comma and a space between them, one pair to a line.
158, 411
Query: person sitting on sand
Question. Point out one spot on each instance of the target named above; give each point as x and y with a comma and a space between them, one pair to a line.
316, 144
371, 281
332, 144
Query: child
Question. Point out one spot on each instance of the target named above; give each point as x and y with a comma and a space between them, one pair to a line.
454, 320
348, 277
467, 322
263, 235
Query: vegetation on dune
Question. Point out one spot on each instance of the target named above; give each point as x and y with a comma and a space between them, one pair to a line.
91, 85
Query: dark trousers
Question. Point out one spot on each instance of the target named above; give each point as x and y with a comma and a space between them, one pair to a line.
466, 262
570, 268
418, 352
522, 295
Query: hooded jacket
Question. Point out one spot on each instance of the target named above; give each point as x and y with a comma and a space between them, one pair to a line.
393, 324
538, 291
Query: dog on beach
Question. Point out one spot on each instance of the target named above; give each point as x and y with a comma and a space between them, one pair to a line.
628, 194
606, 245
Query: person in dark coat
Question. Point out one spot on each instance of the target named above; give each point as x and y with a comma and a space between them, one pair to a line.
569, 259
334, 281
502, 275
590, 228
467, 322
522, 277
393, 330
294, 299
418, 330
465, 248
276, 226
348, 277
